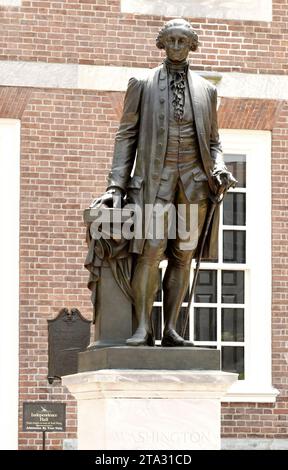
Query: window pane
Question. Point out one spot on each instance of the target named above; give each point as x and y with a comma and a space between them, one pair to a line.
205, 324
186, 298
237, 165
234, 246
232, 287
180, 323
233, 360
157, 322
232, 324
234, 209
206, 287
158, 297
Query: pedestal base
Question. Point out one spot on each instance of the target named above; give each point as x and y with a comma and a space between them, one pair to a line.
145, 357
146, 410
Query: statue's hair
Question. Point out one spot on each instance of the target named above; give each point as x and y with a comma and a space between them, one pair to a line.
187, 27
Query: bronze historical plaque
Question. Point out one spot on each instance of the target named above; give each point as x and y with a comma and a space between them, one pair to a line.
44, 416
68, 334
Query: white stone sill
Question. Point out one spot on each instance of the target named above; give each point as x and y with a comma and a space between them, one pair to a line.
247, 393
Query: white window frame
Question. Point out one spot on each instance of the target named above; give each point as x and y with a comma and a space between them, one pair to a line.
257, 385
256, 145
9, 280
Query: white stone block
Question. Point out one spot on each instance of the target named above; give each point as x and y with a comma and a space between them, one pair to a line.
256, 10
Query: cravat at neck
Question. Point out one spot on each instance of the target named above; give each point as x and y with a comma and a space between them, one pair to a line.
176, 67
177, 84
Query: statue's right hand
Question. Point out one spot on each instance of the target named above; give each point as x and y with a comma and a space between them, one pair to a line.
111, 198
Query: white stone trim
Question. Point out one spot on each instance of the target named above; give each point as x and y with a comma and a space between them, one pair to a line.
9, 280
11, 3
226, 444
38, 74
256, 10
232, 84
135, 383
98, 77
112, 78
249, 85
245, 394
253, 444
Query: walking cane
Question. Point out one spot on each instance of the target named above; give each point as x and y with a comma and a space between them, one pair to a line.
215, 201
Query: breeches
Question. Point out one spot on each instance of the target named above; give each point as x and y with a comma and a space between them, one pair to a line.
174, 230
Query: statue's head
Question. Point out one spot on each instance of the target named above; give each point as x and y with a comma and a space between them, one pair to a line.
178, 38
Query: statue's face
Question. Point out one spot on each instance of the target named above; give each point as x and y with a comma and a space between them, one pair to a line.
177, 44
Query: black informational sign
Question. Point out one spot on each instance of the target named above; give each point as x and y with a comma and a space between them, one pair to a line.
44, 416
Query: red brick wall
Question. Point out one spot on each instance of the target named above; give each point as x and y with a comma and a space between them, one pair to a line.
95, 32
252, 420
66, 146
13, 102
280, 253
256, 114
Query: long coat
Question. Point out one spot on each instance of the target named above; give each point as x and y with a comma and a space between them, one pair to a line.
143, 134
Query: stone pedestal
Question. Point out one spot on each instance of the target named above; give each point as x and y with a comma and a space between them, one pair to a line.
113, 323
149, 409
109, 264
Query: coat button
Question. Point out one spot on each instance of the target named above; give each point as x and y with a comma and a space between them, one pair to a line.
160, 145
161, 116
162, 100
162, 130
162, 88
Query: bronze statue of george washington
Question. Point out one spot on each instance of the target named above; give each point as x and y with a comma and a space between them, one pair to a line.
167, 151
